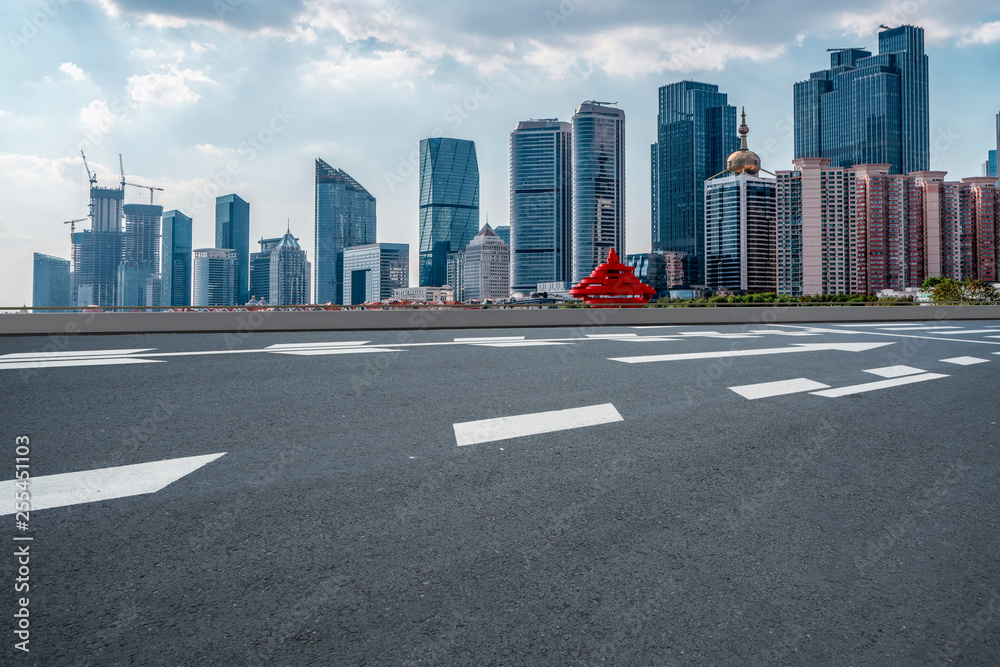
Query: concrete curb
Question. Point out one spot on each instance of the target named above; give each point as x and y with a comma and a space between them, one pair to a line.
23, 324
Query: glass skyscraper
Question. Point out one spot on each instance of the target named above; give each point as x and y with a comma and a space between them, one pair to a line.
97, 252
140, 254
541, 203
598, 186
232, 230
260, 270
868, 109
696, 131
50, 282
288, 273
215, 272
175, 270
345, 217
449, 204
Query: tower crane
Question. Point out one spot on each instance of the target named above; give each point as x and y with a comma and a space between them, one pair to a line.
72, 229
91, 176
147, 187
121, 166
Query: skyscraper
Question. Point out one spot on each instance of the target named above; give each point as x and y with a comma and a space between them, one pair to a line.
598, 186
289, 273
260, 270
232, 231
740, 225
868, 109
140, 253
345, 217
215, 272
449, 204
97, 252
50, 282
484, 268
372, 272
696, 131
175, 270
541, 203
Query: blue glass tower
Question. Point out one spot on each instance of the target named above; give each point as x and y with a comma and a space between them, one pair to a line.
598, 186
541, 204
696, 132
50, 282
449, 204
868, 109
175, 255
232, 230
345, 217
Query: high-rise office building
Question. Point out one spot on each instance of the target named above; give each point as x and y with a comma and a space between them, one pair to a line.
503, 232
662, 271
289, 273
97, 252
696, 131
215, 271
482, 270
345, 217
175, 255
449, 204
232, 231
990, 167
598, 186
868, 109
260, 270
50, 285
740, 225
140, 253
541, 204
372, 272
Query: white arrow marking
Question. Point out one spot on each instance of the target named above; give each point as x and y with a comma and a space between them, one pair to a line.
873, 386
488, 430
723, 354
488, 339
895, 371
333, 350
966, 361
91, 486
780, 388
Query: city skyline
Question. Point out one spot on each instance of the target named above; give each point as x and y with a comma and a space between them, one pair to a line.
184, 117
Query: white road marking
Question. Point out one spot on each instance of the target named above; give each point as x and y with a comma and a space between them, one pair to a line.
503, 428
74, 488
965, 332
894, 371
520, 343
779, 388
319, 352
69, 363
723, 354
298, 346
895, 335
778, 332
492, 339
874, 386
966, 361
78, 354
613, 335
915, 327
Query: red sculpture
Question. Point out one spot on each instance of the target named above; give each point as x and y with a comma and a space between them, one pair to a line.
613, 284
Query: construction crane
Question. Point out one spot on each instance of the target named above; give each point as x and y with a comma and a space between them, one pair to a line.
91, 176
148, 187
121, 166
72, 228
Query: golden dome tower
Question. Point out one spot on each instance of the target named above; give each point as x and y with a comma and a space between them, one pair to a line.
743, 161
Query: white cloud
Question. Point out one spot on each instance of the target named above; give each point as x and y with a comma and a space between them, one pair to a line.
168, 89
9, 234
984, 33
395, 68
97, 119
73, 71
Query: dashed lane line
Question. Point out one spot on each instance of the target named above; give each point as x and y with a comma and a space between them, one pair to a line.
504, 428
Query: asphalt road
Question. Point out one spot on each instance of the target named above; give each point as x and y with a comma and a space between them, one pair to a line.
345, 524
